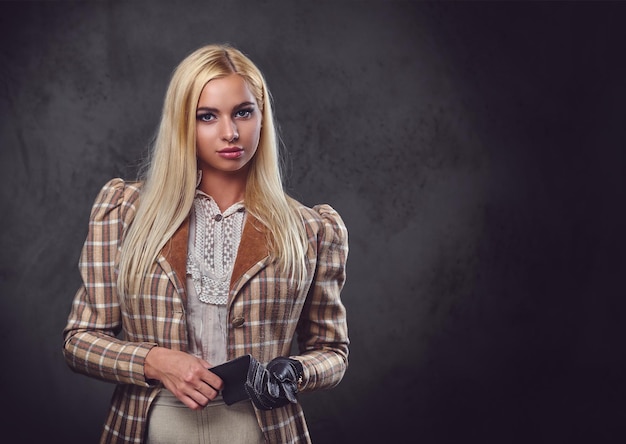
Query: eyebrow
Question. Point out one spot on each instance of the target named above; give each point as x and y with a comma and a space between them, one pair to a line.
215, 110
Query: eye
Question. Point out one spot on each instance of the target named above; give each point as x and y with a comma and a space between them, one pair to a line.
244, 113
205, 117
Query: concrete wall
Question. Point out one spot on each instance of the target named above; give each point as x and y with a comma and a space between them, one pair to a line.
475, 151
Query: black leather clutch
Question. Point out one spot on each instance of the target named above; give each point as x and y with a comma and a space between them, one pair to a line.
234, 374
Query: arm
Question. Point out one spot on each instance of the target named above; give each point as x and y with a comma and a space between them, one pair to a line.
322, 328
91, 345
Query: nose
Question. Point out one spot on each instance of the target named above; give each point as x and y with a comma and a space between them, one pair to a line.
229, 131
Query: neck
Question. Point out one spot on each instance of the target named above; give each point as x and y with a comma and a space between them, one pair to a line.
225, 189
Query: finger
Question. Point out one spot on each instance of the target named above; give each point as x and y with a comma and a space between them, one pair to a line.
214, 381
194, 401
193, 405
273, 389
290, 394
207, 391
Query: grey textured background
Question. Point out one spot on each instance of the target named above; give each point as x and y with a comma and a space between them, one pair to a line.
475, 151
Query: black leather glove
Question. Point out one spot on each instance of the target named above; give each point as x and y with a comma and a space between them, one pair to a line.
285, 374
275, 385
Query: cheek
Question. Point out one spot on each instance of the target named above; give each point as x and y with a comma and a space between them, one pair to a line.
257, 134
203, 135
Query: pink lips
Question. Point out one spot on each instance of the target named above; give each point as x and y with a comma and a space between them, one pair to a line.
231, 152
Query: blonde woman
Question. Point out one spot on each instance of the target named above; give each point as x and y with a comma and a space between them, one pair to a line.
206, 260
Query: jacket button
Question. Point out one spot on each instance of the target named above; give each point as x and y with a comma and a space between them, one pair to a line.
237, 322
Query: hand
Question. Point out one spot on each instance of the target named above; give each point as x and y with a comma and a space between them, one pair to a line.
286, 373
185, 375
275, 385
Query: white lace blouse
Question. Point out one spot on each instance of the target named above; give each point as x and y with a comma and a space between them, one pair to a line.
213, 242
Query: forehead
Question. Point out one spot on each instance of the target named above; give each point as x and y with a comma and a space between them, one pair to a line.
226, 91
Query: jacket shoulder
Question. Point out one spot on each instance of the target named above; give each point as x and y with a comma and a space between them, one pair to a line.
325, 220
117, 196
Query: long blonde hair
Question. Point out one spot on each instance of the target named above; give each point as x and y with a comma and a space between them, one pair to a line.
170, 181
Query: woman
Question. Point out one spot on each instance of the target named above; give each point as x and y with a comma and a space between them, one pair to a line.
206, 260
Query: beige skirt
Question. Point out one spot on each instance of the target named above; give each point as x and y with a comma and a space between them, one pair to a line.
170, 421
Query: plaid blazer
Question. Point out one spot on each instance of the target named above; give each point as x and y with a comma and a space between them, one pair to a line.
108, 338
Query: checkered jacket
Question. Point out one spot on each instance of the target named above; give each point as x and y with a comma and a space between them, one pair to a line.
108, 339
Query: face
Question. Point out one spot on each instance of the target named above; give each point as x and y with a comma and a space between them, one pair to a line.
228, 126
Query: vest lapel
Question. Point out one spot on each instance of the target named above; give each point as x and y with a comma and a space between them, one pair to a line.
175, 253
252, 250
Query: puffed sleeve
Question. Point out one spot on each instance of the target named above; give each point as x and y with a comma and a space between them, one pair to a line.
322, 328
91, 346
